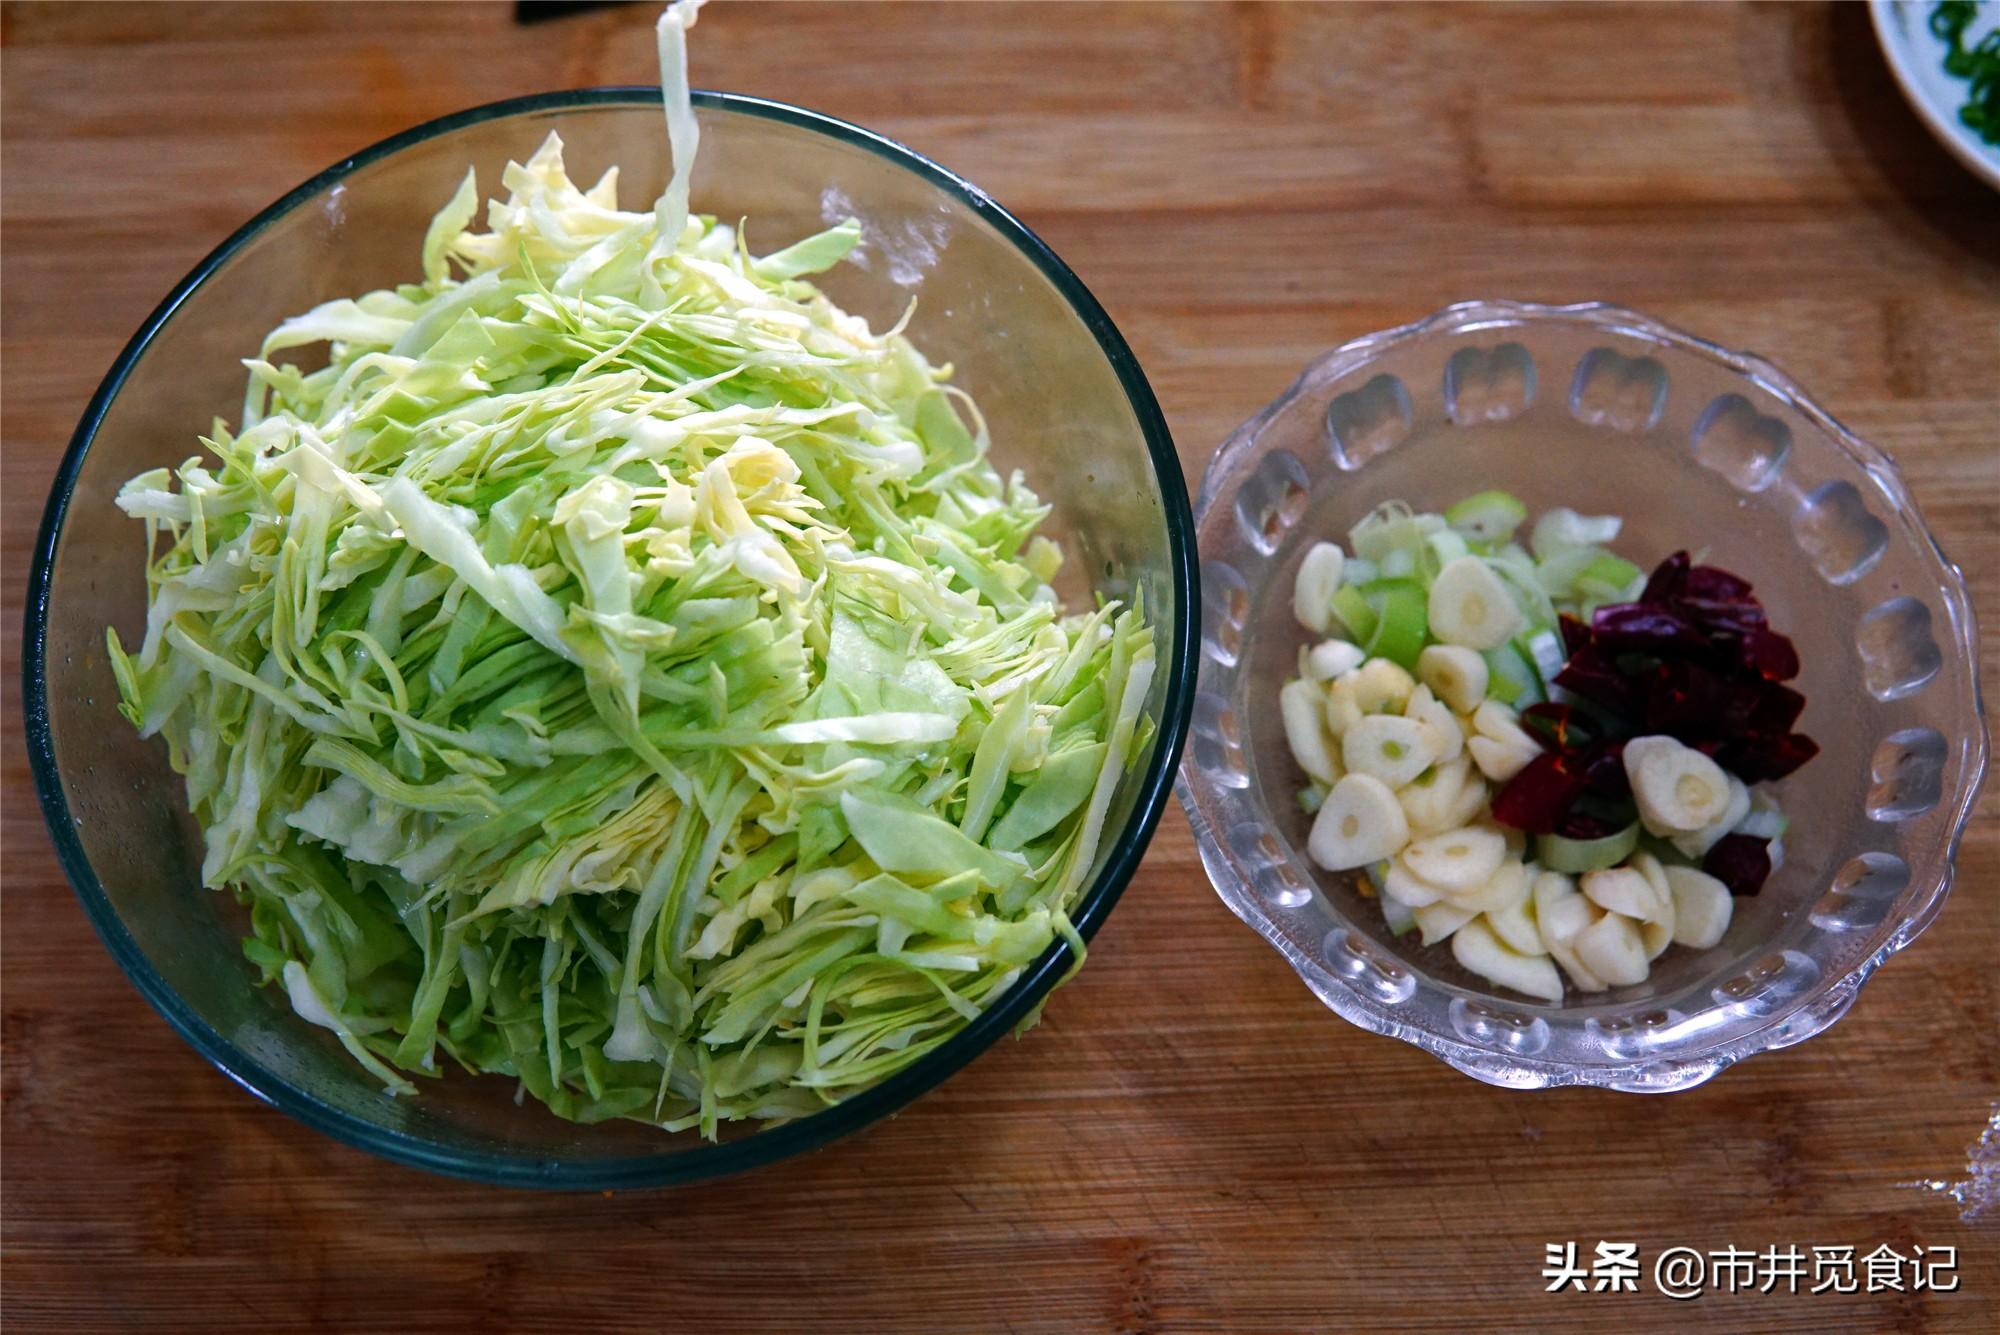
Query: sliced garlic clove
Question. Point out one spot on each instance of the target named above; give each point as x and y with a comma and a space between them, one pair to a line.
1585, 980
1457, 674
1430, 801
1500, 761
1437, 921
1343, 708
1381, 686
1656, 935
1506, 887
1392, 748
1300, 703
1495, 720
1612, 949
1693, 847
1333, 658
1447, 737
1471, 607
1515, 925
1471, 803
1360, 822
1561, 912
1650, 867
1457, 860
1622, 890
1703, 907
1697, 844
1738, 809
1656, 930
1399, 885
1564, 919
1317, 581
1481, 951
1550, 886
1678, 789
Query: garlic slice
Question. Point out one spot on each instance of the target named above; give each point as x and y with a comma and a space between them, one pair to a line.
1316, 583
1431, 801
1678, 789
1447, 737
1482, 952
1360, 822
1300, 705
1515, 925
1390, 747
1703, 907
1333, 658
1611, 948
1471, 607
1507, 887
1457, 860
1458, 675
1437, 921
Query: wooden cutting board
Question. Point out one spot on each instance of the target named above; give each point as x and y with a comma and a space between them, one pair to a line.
1189, 1141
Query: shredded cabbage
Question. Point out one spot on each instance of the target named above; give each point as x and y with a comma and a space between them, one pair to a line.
620, 669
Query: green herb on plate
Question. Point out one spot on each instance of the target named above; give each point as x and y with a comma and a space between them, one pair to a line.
1978, 64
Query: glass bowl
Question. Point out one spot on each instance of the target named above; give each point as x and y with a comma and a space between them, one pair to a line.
1062, 393
1609, 412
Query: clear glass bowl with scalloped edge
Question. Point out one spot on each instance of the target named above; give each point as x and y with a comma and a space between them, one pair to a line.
1607, 411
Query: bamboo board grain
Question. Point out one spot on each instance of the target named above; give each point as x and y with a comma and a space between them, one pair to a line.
1189, 1141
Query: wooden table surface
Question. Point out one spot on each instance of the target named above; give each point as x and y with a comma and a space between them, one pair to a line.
1189, 1141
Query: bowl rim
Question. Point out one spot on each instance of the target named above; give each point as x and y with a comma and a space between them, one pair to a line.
707, 1159
1900, 53
1783, 1026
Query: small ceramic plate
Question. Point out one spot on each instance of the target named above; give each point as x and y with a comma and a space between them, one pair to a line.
1916, 57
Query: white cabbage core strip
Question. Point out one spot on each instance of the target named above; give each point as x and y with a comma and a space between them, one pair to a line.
683, 134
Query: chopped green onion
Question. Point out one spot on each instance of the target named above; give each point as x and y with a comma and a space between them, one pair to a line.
1489, 516
1444, 548
1544, 652
1573, 857
1763, 823
1400, 917
1562, 528
1402, 621
1606, 576
1511, 677
1979, 64
1351, 605
1391, 527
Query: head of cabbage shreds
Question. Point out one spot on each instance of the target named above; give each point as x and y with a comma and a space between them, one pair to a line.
620, 669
